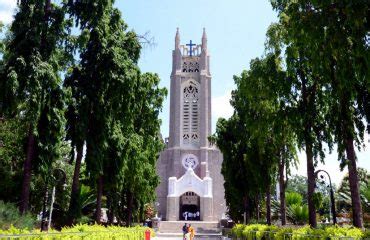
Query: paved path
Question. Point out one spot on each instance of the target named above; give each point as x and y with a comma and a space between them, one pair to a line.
175, 236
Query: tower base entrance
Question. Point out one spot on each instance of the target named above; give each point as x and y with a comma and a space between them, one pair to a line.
189, 207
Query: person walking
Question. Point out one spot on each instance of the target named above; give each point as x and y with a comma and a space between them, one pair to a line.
191, 232
184, 230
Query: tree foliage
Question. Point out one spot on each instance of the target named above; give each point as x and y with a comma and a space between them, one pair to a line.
104, 104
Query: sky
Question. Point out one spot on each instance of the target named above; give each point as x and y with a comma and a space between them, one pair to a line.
236, 34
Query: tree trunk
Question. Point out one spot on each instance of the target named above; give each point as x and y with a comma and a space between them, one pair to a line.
130, 203
282, 191
268, 204
308, 101
47, 9
99, 199
246, 209
310, 186
27, 168
354, 184
110, 209
74, 210
45, 202
256, 200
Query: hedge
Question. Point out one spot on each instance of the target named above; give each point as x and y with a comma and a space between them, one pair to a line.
82, 231
264, 232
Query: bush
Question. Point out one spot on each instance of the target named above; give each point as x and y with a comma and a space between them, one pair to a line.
293, 198
82, 231
262, 232
298, 213
237, 230
10, 216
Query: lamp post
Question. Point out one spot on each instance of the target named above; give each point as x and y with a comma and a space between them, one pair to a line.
320, 173
58, 176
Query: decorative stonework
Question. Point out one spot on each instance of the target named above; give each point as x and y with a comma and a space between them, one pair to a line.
190, 182
190, 65
196, 50
190, 161
190, 114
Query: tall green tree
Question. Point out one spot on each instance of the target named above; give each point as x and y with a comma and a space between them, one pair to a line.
332, 38
232, 138
259, 130
115, 109
346, 67
31, 83
263, 97
140, 175
308, 91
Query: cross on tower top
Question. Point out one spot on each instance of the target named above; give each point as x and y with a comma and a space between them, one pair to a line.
191, 44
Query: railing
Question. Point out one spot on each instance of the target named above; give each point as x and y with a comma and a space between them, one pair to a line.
117, 235
270, 235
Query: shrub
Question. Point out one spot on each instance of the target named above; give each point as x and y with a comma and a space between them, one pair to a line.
237, 230
262, 232
82, 231
298, 213
10, 216
293, 198
283, 233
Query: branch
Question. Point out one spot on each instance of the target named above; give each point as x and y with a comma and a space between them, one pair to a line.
147, 40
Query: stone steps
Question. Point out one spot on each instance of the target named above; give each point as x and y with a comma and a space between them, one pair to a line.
200, 227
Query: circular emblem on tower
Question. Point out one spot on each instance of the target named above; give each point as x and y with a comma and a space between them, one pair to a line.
190, 161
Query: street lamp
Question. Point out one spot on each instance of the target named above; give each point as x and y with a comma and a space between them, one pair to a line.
332, 201
58, 176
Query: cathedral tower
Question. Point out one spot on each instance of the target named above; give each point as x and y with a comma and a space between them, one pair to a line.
190, 168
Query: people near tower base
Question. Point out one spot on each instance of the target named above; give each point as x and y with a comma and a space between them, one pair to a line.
191, 216
191, 231
184, 231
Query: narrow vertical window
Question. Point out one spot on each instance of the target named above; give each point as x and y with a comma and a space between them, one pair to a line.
190, 121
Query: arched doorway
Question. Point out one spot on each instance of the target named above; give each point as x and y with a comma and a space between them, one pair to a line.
189, 207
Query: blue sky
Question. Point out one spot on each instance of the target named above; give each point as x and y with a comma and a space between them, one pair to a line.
236, 34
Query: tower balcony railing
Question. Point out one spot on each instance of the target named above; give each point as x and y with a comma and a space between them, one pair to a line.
195, 51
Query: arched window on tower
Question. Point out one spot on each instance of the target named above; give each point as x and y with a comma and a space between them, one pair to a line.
190, 117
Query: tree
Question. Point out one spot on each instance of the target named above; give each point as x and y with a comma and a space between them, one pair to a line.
344, 194
232, 138
12, 139
331, 39
31, 83
264, 99
140, 177
108, 111
308, 89
260, 128
298, 184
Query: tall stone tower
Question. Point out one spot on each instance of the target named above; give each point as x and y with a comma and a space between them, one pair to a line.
191, 185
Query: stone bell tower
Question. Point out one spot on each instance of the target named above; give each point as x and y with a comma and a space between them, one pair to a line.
191, 185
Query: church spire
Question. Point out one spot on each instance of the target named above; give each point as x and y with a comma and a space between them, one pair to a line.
177, 39
204, 39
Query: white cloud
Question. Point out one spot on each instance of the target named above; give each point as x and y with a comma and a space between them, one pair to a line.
6, 17
7, 8
221, 106
8, 3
